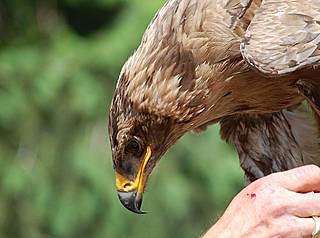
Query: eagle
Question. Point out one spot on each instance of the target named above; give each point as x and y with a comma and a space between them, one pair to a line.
249, 65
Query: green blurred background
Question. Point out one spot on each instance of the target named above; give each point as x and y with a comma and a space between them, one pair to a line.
59, 64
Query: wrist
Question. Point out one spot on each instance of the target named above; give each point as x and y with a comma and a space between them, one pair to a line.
219, 229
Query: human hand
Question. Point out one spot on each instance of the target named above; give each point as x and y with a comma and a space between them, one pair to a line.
278, 205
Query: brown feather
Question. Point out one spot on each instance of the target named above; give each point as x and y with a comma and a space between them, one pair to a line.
272, 142
283, 36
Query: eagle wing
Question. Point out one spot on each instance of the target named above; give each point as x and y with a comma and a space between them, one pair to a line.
283, 36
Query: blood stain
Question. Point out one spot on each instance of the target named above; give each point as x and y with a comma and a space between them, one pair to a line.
253, 196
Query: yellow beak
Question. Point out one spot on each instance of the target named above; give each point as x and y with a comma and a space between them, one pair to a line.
124, 185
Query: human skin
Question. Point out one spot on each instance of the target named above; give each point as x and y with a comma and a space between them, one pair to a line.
279, 205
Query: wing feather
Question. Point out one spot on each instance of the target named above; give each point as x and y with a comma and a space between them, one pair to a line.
234, 10
283, 36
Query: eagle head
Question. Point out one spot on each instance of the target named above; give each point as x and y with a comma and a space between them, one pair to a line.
140, 133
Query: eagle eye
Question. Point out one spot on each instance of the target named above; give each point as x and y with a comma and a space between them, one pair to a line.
133, 148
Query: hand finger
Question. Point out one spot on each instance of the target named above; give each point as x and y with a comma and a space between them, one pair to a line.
303, 227
293, 227
301, 179
304, 205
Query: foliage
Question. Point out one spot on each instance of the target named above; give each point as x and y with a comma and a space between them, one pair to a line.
59, 63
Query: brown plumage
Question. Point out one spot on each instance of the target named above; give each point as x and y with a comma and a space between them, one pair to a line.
198, 64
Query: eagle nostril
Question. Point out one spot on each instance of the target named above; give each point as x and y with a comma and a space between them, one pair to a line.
128, 186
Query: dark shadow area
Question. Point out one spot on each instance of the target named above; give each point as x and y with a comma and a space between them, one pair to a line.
87, 19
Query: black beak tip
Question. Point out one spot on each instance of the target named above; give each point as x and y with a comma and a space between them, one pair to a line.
131, 201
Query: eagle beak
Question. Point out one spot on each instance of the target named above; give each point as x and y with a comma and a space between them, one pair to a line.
129, 192
131, 200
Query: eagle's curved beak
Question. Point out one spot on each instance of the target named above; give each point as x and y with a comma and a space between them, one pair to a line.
130, 192
131, 200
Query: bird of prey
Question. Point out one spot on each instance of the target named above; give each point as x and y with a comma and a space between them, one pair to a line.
246, 64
